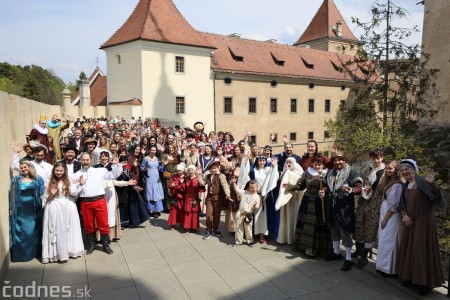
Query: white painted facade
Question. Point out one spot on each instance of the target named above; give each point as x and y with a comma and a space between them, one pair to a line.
146, 70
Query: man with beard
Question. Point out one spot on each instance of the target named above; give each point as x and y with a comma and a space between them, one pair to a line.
341, 184
70, 152
92, 199
43, 168
288, 152
39, 134
28, 153
90, 146
54, 131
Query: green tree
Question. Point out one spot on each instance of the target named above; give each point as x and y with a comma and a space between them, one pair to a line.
32, 82
394, 91
81, 77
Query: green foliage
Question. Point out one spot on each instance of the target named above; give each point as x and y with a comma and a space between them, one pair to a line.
81, 77
32, 82
393, 92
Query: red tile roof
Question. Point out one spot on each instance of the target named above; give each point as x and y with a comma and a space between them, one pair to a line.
157, 20
258, 60
134, 101
322, 24
98, 85
98, 91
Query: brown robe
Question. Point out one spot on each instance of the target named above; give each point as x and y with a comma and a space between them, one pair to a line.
418, 256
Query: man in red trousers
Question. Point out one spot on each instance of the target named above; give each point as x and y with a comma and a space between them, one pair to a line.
92, 199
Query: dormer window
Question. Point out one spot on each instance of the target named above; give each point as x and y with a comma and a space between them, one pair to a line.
277, 61
365, 70
336, 67
235, 56
307, 64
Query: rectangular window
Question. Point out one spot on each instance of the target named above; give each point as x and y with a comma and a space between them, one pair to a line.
252, 105
311, 105
228, 105
342, 103
293, 136
253, 139
293, 106
327, 105
273, 105
180, 106
326, 134
310, 135
179, 64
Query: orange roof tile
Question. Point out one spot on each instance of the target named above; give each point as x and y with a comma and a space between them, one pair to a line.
322, 24
157, 20
258, 59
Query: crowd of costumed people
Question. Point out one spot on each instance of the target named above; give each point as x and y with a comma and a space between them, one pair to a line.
104, 175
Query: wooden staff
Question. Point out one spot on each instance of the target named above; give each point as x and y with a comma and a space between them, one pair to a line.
322, 198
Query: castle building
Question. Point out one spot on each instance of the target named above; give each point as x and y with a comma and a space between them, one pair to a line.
159, 62
436, 41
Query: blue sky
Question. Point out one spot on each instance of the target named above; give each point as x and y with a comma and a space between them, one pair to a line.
65, 36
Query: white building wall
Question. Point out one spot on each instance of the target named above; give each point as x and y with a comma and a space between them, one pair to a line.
160, 84
124, 79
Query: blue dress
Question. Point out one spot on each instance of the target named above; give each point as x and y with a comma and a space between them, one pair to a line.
154, 192
26, 220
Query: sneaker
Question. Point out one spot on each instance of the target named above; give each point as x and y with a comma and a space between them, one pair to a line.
347, 265
333, 256
217, 233
207, 235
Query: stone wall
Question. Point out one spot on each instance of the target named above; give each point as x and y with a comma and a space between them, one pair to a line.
17, 117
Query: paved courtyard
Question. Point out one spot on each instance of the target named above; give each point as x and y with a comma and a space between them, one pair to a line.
152, 262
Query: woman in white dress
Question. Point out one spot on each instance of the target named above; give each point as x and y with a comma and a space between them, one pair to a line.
61, 236
260, 173
388, 228
288, 202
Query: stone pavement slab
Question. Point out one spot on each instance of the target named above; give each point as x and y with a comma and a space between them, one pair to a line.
152, 262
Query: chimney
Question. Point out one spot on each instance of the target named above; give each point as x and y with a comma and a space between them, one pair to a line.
339, 28
85, 93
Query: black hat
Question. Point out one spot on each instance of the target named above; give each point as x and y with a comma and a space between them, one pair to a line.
71, 146
190, 135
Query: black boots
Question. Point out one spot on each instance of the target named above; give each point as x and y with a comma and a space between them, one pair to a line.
91, 243
359, 247
105, 243
362, 261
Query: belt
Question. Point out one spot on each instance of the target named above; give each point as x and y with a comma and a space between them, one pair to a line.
91, 199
